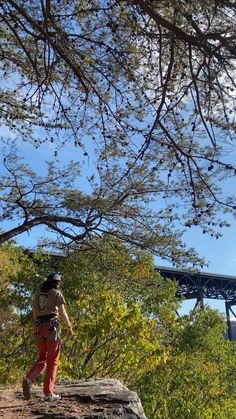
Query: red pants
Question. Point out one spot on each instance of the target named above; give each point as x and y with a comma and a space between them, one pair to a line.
48, 346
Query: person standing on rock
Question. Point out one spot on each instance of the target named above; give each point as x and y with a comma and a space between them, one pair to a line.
48, 308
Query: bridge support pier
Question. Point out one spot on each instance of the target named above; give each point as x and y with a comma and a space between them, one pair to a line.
229, 311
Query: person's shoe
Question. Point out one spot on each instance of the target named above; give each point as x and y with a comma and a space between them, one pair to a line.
26, 388
52, 397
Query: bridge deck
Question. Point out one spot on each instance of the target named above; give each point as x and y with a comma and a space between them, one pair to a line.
208, 285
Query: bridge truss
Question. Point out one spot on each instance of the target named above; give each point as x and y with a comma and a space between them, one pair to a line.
200, 285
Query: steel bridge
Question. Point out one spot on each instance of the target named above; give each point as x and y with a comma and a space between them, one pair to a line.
200, 285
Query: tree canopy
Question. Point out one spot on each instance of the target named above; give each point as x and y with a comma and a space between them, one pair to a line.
179, 366
149, 86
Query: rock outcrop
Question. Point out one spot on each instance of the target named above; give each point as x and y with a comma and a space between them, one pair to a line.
115, 400
81, 399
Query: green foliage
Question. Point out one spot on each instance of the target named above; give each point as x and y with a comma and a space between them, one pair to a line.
125, 326
119, 324
111, 339
197, 380
185, 368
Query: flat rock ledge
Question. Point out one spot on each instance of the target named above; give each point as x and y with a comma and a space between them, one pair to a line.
112, 399
103, 398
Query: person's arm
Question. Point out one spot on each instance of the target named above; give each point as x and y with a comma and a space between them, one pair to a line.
64, 317
34, 314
